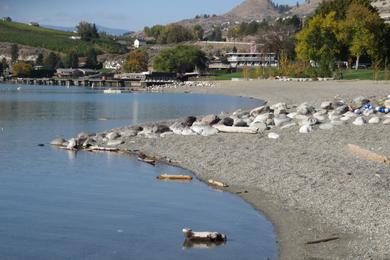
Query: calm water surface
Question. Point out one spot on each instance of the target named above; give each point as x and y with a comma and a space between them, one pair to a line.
60, 205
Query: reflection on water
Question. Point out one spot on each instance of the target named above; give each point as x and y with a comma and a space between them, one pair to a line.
57, 204
188, 244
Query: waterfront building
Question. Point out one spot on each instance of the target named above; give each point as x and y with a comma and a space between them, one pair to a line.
239, 60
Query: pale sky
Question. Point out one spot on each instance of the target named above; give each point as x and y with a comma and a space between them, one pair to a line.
121, 14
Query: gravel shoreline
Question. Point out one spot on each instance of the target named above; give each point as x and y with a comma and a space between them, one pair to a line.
309, 185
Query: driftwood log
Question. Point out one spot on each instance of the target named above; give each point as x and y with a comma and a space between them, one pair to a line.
319, 241
217, 183
236, 129
101, 149
204, 236
174, 177
367, 155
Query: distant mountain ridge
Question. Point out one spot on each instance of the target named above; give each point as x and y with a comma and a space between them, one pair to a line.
257, 10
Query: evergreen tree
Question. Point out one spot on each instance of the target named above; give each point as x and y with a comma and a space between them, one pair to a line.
14, 52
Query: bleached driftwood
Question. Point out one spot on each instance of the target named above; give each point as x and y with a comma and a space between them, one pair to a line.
367, 155
101, 149
217, 183
236, 129
174, 177
203, 236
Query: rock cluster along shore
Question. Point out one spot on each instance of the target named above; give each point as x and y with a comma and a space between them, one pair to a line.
304, 117
186, 84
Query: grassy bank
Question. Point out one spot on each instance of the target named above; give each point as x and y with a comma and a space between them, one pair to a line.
55, 40
363, 74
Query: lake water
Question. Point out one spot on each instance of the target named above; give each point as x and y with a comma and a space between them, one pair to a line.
60, 205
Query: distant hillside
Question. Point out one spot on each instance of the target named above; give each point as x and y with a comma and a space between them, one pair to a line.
248, 10
253, 10
309, 7
110, 31
50, 39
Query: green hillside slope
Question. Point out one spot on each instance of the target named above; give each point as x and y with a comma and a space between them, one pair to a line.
55, 40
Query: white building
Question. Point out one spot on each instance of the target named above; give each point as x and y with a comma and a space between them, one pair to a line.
139, 43
239, 60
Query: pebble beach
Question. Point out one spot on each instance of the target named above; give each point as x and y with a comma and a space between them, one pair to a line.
324, 201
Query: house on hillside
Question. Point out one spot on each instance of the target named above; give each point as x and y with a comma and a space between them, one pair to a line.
75, 37
139, 43
6, 19
68, 73
34, 24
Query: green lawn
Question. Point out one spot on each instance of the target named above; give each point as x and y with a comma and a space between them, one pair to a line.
227, 76
363, 74
51, 39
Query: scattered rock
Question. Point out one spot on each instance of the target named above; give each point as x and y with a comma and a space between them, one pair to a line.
326, 105
386, 121
374, 120
359, 121
326, 126
305, 129
273, 136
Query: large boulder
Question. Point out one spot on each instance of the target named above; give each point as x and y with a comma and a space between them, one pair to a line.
259, 110
58, 142
279, 108
305, 109
228, 121
72, 144
262, 118
327, 105
159, 129
112, 135
177, 128
359, 102
260, 126
210, 120
280, 120
209, 131
188, 121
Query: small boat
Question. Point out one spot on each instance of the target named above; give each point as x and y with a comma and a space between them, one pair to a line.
174, 177
147, 159
19, 89
112, 91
